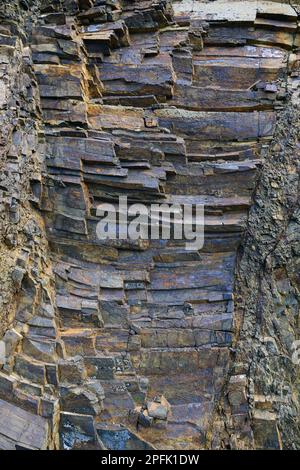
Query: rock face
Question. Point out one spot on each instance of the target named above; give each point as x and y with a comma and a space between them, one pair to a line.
144, 344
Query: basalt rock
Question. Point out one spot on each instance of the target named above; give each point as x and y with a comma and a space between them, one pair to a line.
142, 344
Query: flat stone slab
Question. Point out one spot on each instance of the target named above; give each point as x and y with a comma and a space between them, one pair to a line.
115, 437
21, 428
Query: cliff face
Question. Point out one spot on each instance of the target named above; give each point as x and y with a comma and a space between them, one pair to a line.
134, 344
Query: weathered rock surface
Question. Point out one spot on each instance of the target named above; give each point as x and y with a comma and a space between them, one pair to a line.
148, 345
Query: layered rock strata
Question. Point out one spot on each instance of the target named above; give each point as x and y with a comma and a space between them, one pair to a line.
143, 344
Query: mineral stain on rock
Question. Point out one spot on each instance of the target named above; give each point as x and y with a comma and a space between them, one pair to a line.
128, 345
